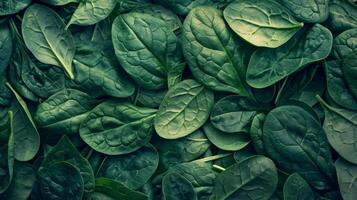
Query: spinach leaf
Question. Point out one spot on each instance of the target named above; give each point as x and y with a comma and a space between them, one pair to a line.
44, 35
296, 188
7, 156
186, 149
254, 178
226, 141
116, 127
256, 133
184, 109
65, 152
22, 183
132, 170
311, 11
177, 187
234, 114
146, 59
6, 46
261, 23
215, 56
97, 72
340, 126
337, 86
26, 137
342, 15
182, 7
349, 68
268, 66
346, 173
52, 182
91, 12
116, 191
8, 7
63, 112
296, 142
344, 45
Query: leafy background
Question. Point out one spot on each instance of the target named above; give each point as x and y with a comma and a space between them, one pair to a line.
178, 99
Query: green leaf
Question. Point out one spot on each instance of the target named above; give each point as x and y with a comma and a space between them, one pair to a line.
344, 44
234, 114
252, 178
337, 87
26, 137
7, 156
226, 141
185, 108
45, 36
97, 71
116, 190
349, 68
63, 112
91, 12
268, 66
342, 15
261, 23
6, 46
132, 170
64, 151
177, 187
8, 7
117, 127
61, 180
217, 59
340, 126
146, 48
296, 188
311, 11
22, 183
296, 142
188, 148
346, 177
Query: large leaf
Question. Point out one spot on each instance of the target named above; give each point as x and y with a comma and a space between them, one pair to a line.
146, 48
177, 187
261, 23
61, 180
7, 155
346, 176
64, 151
337, 87
26, 137
217, 59
234, 114
344, 45
116, 190
5, 46
8, 7
226, 141
268, 66
253, 178
132, 170
44, 35
63, 112
91, 12
185, 108
296, 142
97, 71
22, 183
296, 188
311, 11
116, 127
340, 126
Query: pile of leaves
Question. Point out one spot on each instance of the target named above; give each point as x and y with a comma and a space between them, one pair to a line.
178, 99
